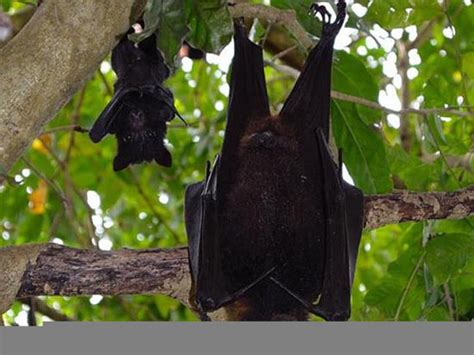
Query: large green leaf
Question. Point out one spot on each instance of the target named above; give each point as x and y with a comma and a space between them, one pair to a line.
167, 19
448, 254
5, 5
210, 24
363, 150
350, 76
301, 8
388, 14
415, 174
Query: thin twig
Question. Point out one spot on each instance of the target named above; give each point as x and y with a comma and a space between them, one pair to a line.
284, 52
48, 181
70, 212
152, 207
106, 83
41, 307
450, 110
75, 128
449, 301
428, 111
277, 16
75, 118
408, 285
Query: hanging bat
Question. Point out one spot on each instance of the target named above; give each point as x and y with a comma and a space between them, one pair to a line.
274, 229
140, 107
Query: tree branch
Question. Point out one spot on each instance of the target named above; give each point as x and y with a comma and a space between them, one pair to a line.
276, 16
407, 206
41, 307
60, 270
48, 61
65, 271
292, 72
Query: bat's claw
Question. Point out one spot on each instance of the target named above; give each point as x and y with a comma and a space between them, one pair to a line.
321, 9
326, 16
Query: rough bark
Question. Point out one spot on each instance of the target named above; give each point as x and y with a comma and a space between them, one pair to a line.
410, 206
60, 270
64, 39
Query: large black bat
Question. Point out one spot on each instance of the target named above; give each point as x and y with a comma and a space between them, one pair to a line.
274, 230
140, 107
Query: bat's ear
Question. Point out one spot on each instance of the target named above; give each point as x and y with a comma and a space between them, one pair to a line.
309, 101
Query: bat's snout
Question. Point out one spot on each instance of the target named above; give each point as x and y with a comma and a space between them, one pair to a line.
262, 140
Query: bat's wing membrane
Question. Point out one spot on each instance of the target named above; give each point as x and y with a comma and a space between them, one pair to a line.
102, 126
343, 222
308, 105
248, 100
309, 100
203, 244
155, 93
209, 287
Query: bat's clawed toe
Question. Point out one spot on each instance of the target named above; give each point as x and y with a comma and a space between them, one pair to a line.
321, 9
326, 15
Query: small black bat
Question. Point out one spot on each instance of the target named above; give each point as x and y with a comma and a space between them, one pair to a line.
140, 107
274, 229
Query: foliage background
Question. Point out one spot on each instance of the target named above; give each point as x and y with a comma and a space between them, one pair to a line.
411, 271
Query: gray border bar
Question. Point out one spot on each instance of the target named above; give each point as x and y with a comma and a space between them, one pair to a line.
239, 338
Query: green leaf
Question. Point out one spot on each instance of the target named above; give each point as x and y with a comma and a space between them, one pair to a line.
468, 64
436, 129
167, 19
301, 8
386, 296
350, 76
210, 24
388, 13
424, 10
363, 150
447, 255
414, 173
6, 4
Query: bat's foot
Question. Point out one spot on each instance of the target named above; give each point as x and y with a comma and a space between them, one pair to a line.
320, 9
326, 16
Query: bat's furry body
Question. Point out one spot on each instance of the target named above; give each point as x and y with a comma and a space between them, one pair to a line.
265, 221
141, 105
274, 230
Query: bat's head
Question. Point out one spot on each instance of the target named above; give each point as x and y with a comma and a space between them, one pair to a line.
268, 136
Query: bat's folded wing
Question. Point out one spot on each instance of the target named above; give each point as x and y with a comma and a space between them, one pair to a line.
344, 217
210, 286
203, 243
103, 124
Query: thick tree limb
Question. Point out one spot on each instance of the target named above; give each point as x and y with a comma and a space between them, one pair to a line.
48, 61
60, 270
409, 206
65, 271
